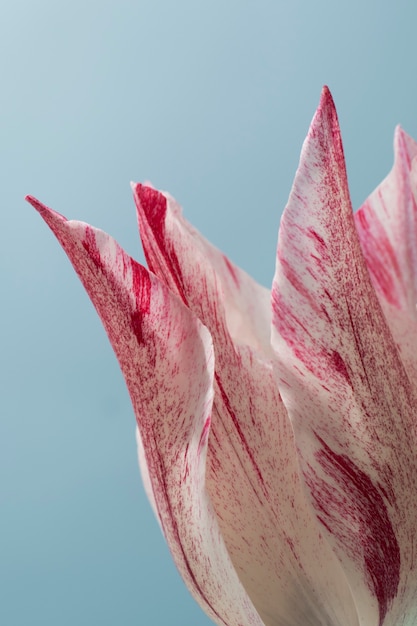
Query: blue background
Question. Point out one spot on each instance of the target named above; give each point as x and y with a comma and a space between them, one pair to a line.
211, 101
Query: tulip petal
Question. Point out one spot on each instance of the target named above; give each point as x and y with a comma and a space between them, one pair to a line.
246, 303
387, 229
287, 568
345, 387
166, 356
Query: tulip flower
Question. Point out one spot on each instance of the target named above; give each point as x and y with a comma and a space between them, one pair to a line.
277, 430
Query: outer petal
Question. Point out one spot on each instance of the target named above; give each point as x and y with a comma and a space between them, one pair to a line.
252, 476
167, 360
344, 385
387, 229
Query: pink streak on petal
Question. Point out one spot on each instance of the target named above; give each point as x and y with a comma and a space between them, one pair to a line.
252, 474
246, 303
378, 543
154, 209
383, 264
347, 391
387, 228
166, 357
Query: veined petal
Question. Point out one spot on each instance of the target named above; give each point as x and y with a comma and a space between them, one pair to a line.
287, 568
245, 302
345, 387
166, 356
387, 229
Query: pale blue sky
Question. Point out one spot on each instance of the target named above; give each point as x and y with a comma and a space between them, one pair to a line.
211, 101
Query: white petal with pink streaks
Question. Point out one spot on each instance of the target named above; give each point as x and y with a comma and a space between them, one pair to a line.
252, 474
387, 229
246, 303
345, 387
166, 356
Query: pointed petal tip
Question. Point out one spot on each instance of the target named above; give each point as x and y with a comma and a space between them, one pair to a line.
150, 203
326, 94
35, 203
326, 99
139, 194
139, 188
49, 215
142, 190
326, 110
400, 135
405, 150
324, 132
